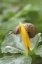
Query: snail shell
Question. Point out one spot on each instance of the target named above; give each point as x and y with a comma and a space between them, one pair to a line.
30, 28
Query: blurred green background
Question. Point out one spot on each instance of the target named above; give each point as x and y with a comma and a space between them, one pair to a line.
14, 11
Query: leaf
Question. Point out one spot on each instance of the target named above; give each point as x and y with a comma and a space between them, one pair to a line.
12, 44
15, 59
39, 51
35, 41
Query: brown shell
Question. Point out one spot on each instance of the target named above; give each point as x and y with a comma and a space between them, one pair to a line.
30, 28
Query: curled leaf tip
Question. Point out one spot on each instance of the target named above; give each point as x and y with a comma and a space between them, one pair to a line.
24, 36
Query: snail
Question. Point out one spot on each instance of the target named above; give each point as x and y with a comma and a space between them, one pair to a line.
30, 28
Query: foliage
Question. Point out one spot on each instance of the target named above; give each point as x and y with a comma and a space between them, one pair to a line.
11, 13
15, 47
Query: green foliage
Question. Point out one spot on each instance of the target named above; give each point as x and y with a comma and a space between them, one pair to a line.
15, 59
13, 44
39, 50
11, 13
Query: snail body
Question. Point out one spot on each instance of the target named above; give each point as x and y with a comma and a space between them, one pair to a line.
30, 28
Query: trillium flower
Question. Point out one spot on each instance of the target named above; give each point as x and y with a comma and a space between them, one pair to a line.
25, 37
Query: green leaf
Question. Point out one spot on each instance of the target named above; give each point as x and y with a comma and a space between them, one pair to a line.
39, 51
12, 44
15, 59
35, 41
